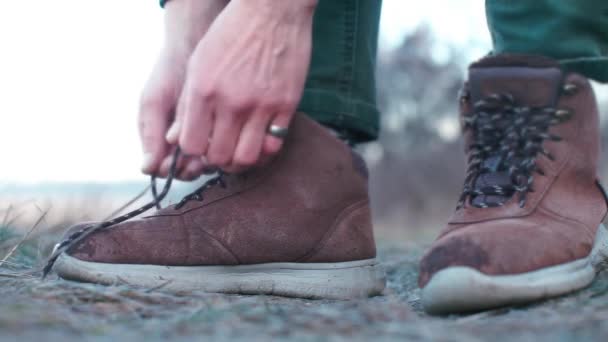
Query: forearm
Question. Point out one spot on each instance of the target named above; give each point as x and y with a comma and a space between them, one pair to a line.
186, 22
280, 5
287, 10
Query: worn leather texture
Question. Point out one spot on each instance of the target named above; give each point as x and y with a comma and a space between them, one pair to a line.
310, 204
560, 217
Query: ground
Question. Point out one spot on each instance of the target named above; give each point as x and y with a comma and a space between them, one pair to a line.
54, 309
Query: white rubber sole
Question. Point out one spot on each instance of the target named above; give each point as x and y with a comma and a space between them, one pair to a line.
464, 289
343, 280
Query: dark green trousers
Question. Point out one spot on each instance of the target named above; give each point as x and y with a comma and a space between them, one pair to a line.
575, 32
340, 89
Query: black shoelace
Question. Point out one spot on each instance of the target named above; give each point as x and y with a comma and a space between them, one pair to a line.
197, 195
79, 235
507, 138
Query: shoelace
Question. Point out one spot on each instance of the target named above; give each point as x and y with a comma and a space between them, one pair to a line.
197, 195
79, 235
506, 137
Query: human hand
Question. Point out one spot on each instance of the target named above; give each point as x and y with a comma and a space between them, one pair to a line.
247, 73
186, 22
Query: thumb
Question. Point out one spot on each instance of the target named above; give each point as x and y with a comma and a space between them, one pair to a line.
174, 131
154, 117
172, 135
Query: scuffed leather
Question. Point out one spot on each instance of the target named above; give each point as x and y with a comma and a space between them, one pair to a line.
348, 237
560, 218
308, 205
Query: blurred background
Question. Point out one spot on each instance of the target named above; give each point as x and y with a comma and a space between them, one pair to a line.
71, 72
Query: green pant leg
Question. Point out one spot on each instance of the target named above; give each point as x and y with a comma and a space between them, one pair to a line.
340, 89
573, 32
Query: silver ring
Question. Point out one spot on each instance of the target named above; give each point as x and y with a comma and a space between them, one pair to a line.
278, 131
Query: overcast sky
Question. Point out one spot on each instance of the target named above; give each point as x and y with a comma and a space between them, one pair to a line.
71, 72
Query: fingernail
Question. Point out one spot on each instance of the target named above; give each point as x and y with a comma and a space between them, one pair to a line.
165, 166
147, 162
173, 133
194, 166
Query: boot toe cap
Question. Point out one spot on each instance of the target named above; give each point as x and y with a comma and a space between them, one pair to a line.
511, 246
157, 241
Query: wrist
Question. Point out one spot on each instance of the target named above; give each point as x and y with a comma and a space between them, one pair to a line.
289, 8
187, 21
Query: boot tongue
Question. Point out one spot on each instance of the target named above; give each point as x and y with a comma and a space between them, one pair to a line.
492, 176
532, 82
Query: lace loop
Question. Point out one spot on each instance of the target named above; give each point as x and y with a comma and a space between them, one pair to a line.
79, 235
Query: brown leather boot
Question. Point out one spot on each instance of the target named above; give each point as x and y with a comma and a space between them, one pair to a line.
299, 226
528, 225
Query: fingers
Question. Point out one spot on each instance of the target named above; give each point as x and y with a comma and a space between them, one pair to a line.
273, 144
256, 147
187, 167
154, 116
231, 135
230, 144
191, 129
193, 169
194, 122
249, 147
224, 139
250, 143
174, 131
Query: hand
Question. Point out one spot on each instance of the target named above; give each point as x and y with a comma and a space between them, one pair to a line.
186, 22
247, 73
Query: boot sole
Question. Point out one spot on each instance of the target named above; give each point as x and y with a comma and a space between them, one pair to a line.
342, 280
464, 289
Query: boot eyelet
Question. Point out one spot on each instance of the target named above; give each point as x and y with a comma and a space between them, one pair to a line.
570, 88
563, 113
464, 96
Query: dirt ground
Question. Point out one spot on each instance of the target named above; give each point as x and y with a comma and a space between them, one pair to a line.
58, 310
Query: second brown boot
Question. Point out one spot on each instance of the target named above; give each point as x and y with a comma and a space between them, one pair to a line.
300, 226
528, 225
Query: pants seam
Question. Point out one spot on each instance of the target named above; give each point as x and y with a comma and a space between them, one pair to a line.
584, 59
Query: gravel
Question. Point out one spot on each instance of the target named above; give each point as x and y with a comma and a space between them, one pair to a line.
55, 309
